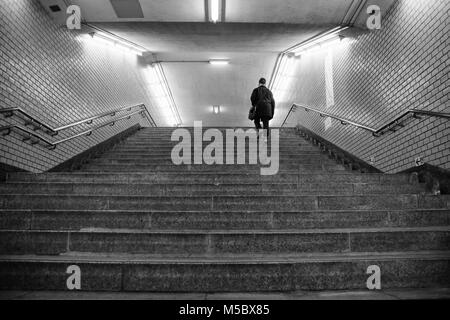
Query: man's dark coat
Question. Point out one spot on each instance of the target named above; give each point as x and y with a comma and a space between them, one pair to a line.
262, 99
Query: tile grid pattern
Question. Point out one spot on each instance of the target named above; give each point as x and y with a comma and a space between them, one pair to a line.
379, 76
49, 72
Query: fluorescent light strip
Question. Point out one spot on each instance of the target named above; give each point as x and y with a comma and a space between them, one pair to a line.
162, 94
219, 62
119, 41
284, 71
332, 34
321, 46
215, 10
165, 90
279, 75
324, 36
283, 76
121, 45
273, 78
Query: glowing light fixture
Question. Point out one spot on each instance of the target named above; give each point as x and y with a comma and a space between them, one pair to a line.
116, 43
331, 36
284, 74
214, 12
219, 62
286, 65
216, 109
161, 94
320, 46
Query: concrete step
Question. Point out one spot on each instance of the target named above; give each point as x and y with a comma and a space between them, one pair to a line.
257, 202
287, 130
212, 177
166, 143
148, 154
198, 189
164, 132
167, 153
356, 294
226, 274
167, 139
168, 134
168, 146
168, 160
204, 168
215, 220
155, 155
224, 241
168, 149
171, 144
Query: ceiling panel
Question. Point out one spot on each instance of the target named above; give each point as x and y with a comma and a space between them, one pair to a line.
127, 8
287, 11
154, 10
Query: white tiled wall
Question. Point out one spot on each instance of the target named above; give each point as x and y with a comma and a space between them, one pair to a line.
380, 75
51, 73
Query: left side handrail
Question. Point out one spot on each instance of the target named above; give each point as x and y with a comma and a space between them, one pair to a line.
54, 131
52, 145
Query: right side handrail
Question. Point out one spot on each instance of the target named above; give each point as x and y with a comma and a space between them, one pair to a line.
37, 124
291, 110
390, 126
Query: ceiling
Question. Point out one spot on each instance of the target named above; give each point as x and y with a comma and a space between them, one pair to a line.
252, 35
180, 38
264, 11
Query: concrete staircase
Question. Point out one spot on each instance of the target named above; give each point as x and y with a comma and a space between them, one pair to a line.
133, 221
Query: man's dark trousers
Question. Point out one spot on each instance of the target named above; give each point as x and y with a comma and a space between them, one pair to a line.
265, 122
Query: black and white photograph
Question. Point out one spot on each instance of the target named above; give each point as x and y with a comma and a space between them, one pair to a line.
224, 156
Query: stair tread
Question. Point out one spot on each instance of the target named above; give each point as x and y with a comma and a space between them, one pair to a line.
123, 258
227, 211
188, 183
248, 231
340, 173
225, 196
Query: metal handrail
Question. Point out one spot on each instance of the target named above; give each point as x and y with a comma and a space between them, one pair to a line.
54, 131
52, 145
390, 126
292, 109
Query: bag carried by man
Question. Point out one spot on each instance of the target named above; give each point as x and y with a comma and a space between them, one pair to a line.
252, 113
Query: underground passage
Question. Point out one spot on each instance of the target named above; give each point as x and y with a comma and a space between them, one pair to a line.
226, 149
